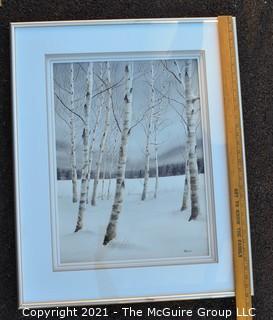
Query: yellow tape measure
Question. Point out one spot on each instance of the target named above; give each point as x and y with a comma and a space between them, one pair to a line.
236, 167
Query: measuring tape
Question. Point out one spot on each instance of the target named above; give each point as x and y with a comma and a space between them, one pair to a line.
236, 167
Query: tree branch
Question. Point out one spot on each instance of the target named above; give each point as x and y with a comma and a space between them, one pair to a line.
170, 71
140, 120
115, 85
64, 89
61, 101
114, 114
61, 117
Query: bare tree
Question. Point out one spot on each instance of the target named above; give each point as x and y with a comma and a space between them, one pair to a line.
192, 144
185, 198
94, 131
159, 125
120, 183
65, 110
85, 138
112, 157
183, 77
72, 138
104, 135
148, 133
103, 178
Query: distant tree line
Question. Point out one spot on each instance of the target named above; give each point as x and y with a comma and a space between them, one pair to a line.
166, 170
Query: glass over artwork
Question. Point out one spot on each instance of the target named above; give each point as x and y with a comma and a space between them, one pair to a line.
131, 174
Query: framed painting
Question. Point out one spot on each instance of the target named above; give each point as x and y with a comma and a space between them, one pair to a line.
121, 167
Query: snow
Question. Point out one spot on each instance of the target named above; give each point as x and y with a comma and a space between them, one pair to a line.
150, 229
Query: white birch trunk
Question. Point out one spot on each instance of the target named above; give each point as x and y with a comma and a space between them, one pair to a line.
91, 150
72, 138
193, 167
111, 169
148, 135
185, 200
156, 163
104, 136
120, 181
103, 181
109, 182
85, 137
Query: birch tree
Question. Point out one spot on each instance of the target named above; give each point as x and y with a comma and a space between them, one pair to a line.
191, 182
158, 125
85, 138
120, 180
113, 157
93, 134
104, 135
65, 84
91, 151
185, 198
148, 135
192, 144
72, 138
156, 166
103, 179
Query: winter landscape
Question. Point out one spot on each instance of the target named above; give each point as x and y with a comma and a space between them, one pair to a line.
130, 167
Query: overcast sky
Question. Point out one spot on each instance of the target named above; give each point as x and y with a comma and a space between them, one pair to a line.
169, 101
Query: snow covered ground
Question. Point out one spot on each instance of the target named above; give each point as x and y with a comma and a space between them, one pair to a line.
150, 229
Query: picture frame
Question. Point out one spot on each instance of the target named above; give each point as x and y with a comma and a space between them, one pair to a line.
145, 116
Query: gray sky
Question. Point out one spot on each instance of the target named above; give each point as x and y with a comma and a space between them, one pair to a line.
169, 104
